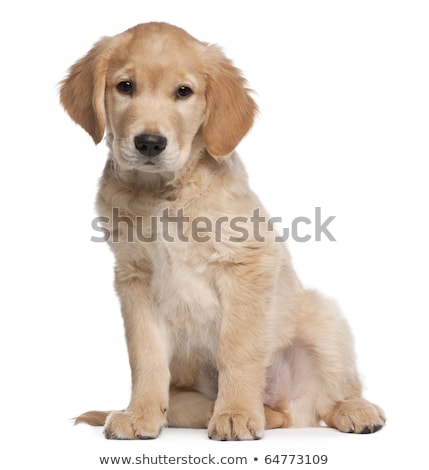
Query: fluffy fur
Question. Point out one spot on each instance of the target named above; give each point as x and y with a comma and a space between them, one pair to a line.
221, 334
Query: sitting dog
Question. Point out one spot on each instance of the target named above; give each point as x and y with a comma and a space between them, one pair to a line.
220, 332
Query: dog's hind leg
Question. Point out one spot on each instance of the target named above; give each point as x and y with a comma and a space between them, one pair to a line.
191, 409
188, 409
336, 391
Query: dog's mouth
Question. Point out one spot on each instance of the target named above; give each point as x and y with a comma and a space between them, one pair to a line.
153, 165
150, 164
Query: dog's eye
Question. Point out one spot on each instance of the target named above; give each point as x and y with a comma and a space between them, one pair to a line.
126, 87
183, 92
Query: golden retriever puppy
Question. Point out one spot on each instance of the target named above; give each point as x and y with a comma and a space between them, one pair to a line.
220, 332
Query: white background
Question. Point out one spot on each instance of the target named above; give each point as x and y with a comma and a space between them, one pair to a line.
343, 90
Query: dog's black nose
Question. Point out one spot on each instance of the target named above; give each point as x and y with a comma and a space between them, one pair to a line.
150, 145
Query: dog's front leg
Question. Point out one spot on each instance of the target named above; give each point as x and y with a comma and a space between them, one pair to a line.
146, 414
242, 355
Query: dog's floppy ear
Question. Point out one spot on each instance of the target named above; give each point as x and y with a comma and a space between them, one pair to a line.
230, 108
82, 91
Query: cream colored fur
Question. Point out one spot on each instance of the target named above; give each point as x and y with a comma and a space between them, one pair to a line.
220, 333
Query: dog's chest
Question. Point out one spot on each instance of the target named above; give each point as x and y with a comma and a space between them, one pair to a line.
184, 298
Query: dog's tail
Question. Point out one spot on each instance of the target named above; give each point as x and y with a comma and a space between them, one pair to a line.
94, 418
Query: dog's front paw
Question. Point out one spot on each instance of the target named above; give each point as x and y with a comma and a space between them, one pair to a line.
236, 425
355, 415
133, 425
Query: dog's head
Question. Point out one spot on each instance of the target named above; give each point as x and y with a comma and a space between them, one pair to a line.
159, 93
